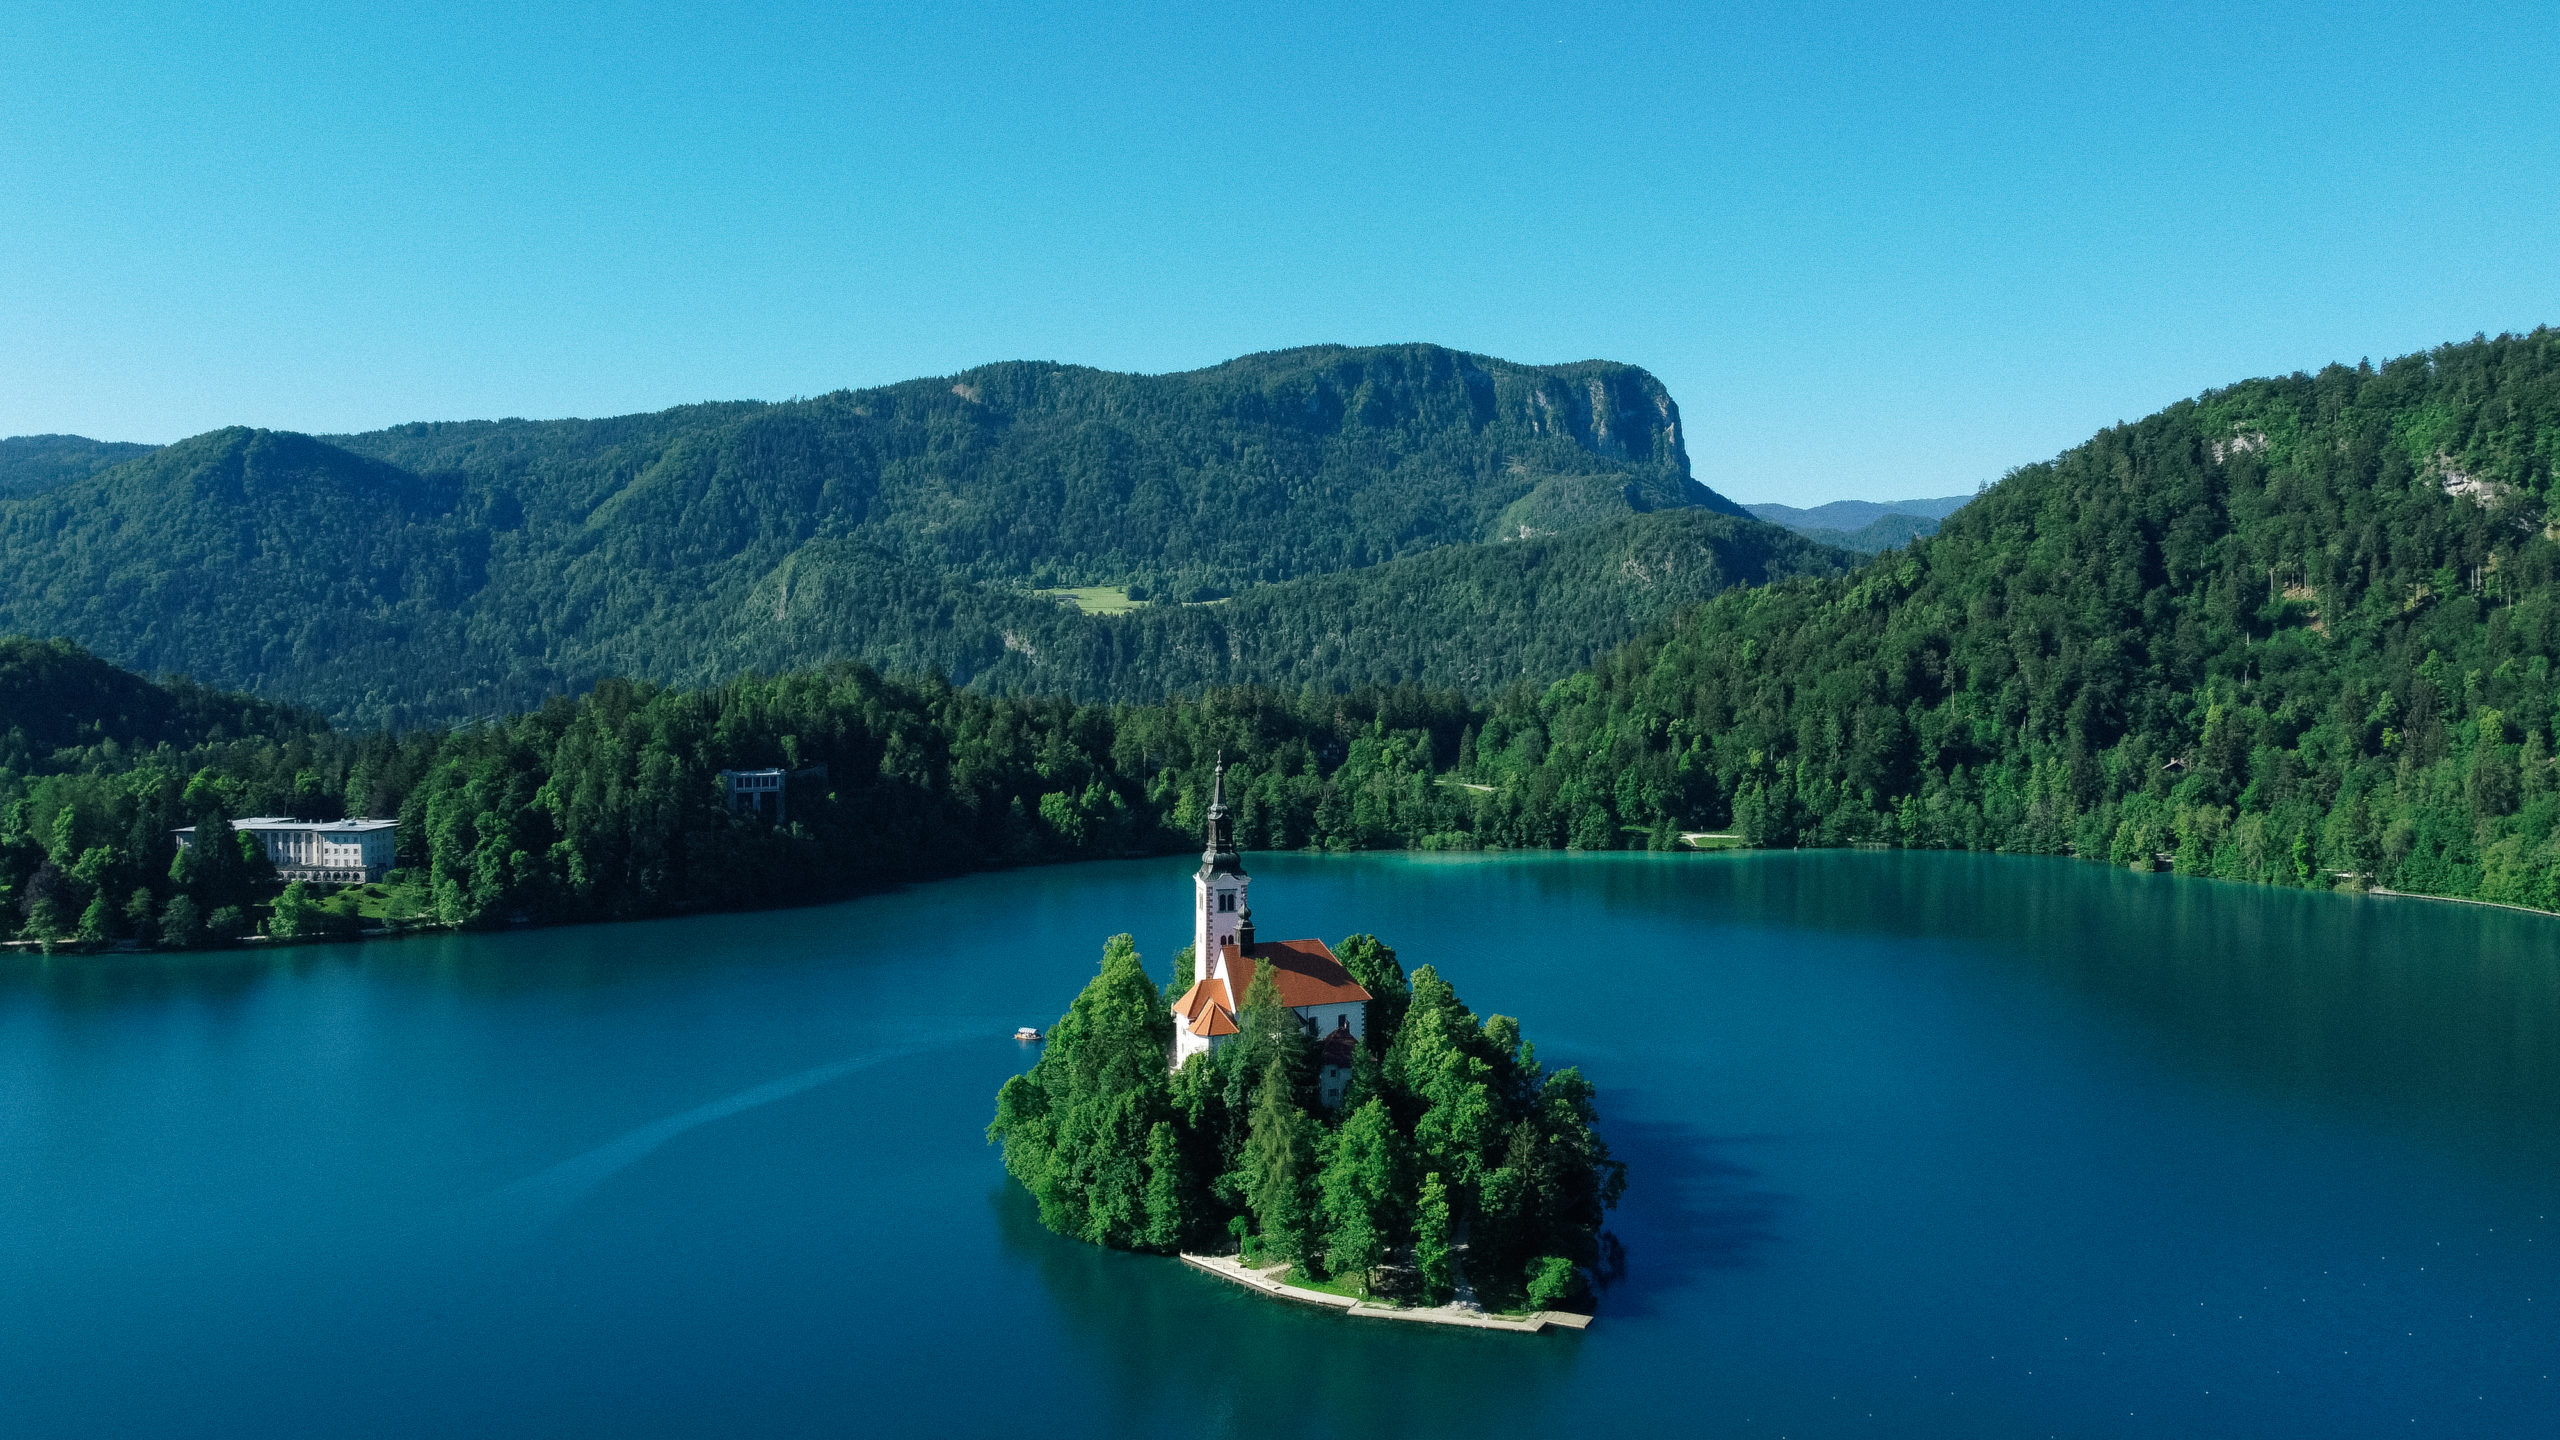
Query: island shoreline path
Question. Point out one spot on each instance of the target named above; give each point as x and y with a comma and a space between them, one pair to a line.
1230, 1269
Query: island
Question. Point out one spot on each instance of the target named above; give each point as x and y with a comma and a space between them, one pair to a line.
1313, 1107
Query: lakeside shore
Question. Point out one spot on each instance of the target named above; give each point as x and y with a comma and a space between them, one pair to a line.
1228, 1268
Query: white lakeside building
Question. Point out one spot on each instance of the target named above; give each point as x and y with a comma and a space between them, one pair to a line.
335, 852
1331, 1005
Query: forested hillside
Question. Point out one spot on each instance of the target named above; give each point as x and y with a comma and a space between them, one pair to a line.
61, 706
30, 464
2298, 631
609, 805
441, 570
1465, 617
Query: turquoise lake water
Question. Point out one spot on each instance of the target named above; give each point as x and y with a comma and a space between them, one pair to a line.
1921, 1145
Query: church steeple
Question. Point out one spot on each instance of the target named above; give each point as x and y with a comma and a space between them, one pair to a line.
1220, 856
1221, 917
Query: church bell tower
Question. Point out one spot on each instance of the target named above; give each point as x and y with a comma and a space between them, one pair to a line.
1220, 914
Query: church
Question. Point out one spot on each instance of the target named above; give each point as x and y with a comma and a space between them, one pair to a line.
1332, 1006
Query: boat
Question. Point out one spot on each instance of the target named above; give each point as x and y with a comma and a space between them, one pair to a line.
1026, 1033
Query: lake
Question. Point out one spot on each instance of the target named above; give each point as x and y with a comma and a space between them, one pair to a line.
1921, 1145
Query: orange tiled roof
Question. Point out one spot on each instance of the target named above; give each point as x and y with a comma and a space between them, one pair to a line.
1203, 1009
1305, 971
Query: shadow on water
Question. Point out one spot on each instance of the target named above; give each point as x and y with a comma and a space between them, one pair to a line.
1245, 1364
1694, 1206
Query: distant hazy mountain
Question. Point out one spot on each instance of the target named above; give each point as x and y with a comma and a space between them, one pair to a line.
30, 464
1865, 526
456, 568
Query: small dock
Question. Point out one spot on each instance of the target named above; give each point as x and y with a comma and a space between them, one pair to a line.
1226, 1267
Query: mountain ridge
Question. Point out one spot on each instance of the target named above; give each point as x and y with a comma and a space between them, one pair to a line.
33, 464
452, 568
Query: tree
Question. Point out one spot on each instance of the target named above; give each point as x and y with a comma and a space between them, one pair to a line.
1443, 1063
1078, 1129
1268, 1035
295, 913
1552, 1281
1434, 1256
1372, 962
98, 920
181, 923
43, 907
1571, 1181
1280, 1167
1363, 1188
138, 907
1169, 1202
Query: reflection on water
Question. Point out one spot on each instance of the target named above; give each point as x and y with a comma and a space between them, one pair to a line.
2443, 1015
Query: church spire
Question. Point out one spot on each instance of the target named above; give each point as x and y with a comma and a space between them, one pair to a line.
1220, 857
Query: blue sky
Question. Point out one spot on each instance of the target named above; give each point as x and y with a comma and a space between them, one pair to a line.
1874, 253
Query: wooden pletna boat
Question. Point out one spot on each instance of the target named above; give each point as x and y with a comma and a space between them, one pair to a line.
1026, 1033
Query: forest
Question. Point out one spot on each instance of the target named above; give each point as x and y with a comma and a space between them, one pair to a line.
434, 573
2298, 631
30, 464
1463, 617
1450, 1136
609, 806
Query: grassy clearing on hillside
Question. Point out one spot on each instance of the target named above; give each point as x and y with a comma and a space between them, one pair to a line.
1095, 599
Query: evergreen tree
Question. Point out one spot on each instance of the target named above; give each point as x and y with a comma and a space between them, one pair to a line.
1434, 1254
1279, 1168
1444, 1066
98, 920
1268, 1035
46, 915
1577, 1180
1363, 1188
181, 923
